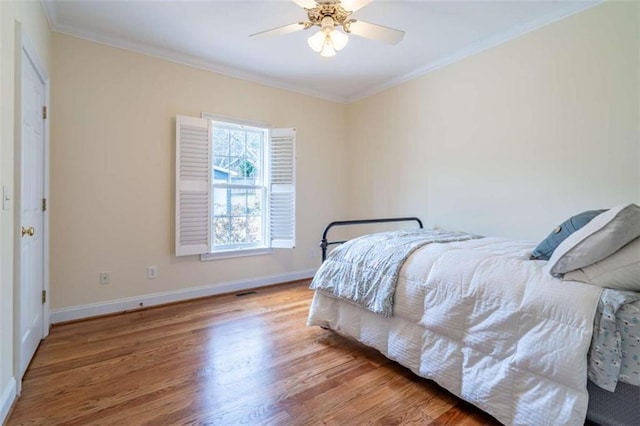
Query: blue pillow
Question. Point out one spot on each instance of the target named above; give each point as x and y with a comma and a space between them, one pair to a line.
548, 245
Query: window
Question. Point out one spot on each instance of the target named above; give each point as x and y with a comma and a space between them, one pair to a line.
235, 187
239, 187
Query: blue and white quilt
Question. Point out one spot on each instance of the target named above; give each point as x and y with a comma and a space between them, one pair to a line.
365, 270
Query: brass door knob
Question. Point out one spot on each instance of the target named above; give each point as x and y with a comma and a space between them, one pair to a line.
28, 231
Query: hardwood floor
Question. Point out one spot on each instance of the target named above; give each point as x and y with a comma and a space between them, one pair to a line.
225, 360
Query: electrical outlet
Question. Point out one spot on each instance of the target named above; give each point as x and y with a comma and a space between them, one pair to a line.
152, 272
104, 277
312, 253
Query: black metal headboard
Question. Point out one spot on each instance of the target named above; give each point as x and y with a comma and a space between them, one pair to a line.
324, 243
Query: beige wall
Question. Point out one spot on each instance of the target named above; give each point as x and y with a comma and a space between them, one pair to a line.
35, 26
112, 171
510, 141
506, 142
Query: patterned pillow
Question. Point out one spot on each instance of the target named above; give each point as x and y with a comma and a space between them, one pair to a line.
545, 249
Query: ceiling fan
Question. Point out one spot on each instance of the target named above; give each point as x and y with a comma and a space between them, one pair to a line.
330, 15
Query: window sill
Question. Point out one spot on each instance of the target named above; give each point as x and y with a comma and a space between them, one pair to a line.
235, 253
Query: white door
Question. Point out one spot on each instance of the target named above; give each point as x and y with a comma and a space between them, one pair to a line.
31, 213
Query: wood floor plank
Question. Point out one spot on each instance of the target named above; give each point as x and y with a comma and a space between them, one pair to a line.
224, 360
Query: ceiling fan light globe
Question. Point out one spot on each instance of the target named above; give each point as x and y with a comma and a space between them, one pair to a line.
316, 41
328, 49
338, 39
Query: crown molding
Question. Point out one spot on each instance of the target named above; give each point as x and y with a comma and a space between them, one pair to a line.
50, 13
572, 8
180, 58
479, 46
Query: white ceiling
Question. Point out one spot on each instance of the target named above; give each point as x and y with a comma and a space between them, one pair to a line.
215, 35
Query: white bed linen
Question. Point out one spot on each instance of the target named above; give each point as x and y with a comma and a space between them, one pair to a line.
487, 324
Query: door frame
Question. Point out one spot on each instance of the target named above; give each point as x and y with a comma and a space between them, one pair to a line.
23, 44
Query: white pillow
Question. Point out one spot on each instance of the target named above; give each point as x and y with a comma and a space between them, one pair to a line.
601, 237
621, 270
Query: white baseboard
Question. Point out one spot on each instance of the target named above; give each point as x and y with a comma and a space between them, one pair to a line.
130, 303
7, 397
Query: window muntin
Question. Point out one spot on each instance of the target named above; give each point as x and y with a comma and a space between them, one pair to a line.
239, 187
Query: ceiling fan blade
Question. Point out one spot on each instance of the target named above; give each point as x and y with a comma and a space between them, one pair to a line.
307, 4
285, 29
376, 32
353, 5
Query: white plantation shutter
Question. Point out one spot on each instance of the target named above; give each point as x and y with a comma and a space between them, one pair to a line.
282, 194
193, 185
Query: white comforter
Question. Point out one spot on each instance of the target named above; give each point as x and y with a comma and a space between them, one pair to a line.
487, 324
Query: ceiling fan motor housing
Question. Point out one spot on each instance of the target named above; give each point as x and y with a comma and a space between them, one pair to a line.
329, 9
329, 15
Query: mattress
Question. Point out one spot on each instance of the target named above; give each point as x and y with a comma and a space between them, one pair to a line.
619, 408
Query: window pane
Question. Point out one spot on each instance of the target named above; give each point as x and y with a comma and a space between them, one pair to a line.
239, 230
221, 162
254, 202
221, 231
221, 169
220, 174
220, 142
254, 225
238, 138
254, 143
236, 169
220, 207
238, 202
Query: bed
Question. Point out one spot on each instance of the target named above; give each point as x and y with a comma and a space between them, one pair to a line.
485, 322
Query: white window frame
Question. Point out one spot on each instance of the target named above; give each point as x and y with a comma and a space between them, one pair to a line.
282, 152
265, 246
